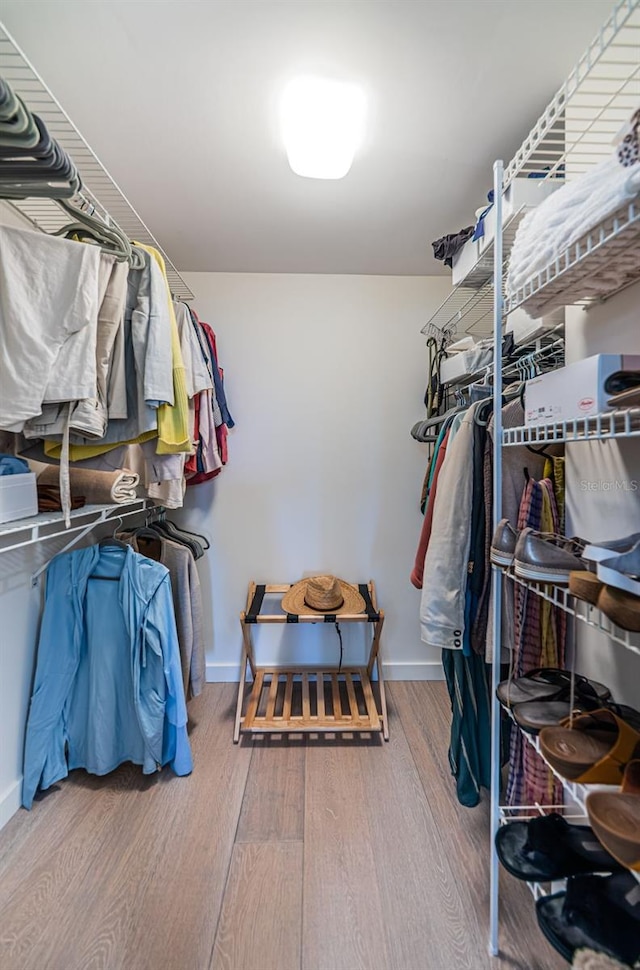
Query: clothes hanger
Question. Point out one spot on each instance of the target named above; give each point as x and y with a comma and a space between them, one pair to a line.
113, 540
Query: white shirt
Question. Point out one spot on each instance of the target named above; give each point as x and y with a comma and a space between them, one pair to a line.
48, 306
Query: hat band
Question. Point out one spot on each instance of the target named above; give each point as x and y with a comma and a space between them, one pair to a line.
318, 608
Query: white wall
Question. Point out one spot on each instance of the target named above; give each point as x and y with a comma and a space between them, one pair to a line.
610, 506
325, 376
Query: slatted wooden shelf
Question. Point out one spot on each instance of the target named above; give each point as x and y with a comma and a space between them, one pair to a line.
319, 700
304, 699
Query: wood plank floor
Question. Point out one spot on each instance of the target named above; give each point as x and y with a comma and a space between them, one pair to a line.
291, 854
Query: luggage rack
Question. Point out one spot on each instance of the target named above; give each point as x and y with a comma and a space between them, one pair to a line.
303, 699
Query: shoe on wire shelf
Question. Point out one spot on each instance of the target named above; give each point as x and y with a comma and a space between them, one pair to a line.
623, 571
597, 551
546, 558
503, 544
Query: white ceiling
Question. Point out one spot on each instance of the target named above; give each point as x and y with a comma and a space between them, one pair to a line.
179, 100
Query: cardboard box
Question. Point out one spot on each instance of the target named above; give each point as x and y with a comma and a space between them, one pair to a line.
575, 391
18, 496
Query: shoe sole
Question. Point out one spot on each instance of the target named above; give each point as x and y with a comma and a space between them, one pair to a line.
499, 558
612, 577
557, 577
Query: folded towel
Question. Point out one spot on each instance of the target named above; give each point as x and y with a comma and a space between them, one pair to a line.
50, 500
98, 488
566, 215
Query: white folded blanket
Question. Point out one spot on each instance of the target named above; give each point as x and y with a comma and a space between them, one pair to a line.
568, 214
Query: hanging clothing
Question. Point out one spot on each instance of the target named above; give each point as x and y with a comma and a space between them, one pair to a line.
514, 461
48, 299
149, 382
108, 685
427, 523
468, 679
540, 630
187, 603
173, 419
443, 601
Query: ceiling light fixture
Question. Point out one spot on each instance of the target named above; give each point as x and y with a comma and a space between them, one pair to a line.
323, 125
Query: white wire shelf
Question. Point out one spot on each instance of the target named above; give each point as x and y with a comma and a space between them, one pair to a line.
596, 427
50, 525
598, 97
600, 264
472, 300
99, 189
581, 610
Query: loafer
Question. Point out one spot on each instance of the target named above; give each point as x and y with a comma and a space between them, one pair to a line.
623, 571
597, 551
546, 559
503, 544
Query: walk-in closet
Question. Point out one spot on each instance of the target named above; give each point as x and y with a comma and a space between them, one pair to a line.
319, 485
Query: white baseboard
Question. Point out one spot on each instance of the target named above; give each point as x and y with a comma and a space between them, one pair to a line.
413, 670
218, 673
10, 802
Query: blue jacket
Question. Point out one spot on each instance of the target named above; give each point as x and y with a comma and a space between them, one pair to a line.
108, 684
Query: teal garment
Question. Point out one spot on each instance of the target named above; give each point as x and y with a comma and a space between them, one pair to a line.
108, 684
467, 679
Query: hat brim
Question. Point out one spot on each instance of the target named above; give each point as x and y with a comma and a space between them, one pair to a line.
293, 600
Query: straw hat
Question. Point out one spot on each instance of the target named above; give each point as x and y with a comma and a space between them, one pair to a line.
323, 594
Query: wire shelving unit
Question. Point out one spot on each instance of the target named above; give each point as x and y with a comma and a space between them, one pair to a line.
100, 192
575, 132
469, 306
595, 427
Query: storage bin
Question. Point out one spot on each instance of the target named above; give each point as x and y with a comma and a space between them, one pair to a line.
464, 261
18, 496
521, 192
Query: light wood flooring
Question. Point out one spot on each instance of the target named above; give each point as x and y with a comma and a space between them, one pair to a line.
316, 854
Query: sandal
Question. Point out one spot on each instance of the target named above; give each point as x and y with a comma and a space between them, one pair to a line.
600, 912
548, 848
543, 684
533, 716
594, 750
615, 817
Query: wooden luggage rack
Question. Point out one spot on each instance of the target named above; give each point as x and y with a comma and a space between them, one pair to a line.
310, 699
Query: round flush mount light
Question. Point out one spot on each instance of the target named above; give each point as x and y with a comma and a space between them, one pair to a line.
322, 126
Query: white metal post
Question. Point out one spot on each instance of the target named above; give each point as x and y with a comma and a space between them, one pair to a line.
496, 585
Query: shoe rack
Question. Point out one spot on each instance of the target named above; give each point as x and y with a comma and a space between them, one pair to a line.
572, 135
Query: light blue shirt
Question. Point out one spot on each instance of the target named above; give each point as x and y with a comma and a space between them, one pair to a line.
108, 685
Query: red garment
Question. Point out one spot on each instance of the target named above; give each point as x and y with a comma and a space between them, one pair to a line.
425, 534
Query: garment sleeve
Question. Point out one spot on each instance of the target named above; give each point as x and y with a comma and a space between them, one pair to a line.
444, 582
151, 330
161, 630
198, 662
57, 663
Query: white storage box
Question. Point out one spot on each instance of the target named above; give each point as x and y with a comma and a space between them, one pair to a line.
521, 192
525, 329
459, 367
18, 496
575, 391
464, 261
